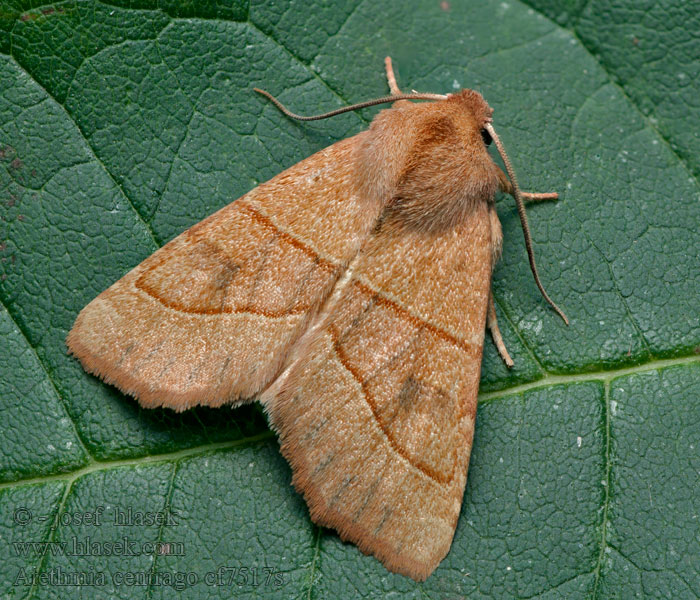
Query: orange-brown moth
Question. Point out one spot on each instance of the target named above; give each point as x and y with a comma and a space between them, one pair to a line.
350, 294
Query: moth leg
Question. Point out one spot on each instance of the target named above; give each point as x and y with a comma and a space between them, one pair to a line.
391, 78
492, 324
528, 197
531, 197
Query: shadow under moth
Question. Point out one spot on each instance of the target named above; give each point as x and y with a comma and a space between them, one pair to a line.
350, 294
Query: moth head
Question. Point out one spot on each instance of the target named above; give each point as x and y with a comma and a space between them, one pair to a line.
473, 102
478, 111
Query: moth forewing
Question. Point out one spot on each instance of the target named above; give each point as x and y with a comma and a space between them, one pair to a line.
211, 317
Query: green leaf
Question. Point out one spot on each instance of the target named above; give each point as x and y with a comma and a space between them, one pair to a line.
122, 123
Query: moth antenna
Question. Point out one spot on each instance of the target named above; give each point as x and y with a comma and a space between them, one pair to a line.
340, 111
517, 194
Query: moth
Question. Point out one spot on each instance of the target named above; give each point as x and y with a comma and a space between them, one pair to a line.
350, 294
